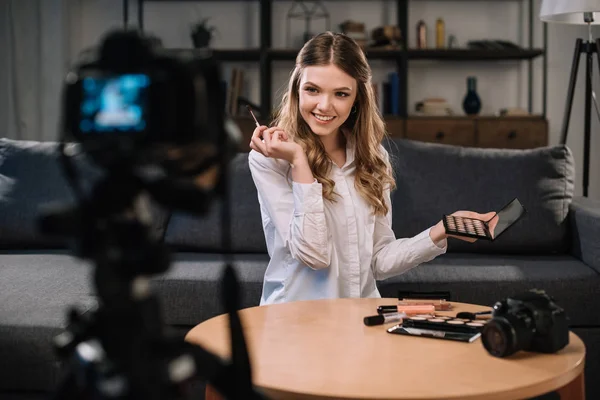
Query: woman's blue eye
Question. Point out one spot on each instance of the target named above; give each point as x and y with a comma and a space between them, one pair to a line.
311, 89
342, 94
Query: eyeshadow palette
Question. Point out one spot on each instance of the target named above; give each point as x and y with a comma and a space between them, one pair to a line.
480, 229
440, 327
464, 226
441, 322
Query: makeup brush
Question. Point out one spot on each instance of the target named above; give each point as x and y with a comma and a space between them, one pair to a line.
470, 315
251, 113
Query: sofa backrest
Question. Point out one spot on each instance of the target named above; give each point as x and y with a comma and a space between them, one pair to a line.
435, 179
432, 180
203, 233
31, 178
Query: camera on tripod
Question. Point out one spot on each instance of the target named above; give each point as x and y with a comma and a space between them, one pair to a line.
135, 102
530, 321
153, 120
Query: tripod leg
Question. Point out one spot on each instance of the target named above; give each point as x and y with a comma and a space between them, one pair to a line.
598, 51
587, 126
571, 91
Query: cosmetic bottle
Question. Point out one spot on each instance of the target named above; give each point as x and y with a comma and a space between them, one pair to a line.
421, 35
440, 34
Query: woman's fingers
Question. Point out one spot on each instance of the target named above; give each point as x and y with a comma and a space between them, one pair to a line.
276, 139
256, 142
258, 131
266, 140
283, 136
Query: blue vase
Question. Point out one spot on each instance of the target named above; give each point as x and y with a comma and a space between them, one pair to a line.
472, 102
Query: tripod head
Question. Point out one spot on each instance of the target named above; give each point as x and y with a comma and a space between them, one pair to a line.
153, 122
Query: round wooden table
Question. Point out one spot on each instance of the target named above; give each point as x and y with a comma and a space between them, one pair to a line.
322, 350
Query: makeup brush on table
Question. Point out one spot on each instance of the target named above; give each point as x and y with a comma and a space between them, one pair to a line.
471, 315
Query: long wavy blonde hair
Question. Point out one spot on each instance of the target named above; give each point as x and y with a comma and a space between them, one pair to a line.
365, 125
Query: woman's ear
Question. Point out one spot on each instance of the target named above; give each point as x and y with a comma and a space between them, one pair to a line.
351, 120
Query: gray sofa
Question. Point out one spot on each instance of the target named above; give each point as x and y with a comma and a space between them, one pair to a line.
556, 247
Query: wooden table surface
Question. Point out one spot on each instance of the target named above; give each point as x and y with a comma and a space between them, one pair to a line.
322, 350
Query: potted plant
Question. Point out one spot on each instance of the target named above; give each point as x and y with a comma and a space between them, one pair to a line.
202, 33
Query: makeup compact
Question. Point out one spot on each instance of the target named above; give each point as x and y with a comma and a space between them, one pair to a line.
487, 230
440, 327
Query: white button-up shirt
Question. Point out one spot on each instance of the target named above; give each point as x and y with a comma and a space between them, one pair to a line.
323, 249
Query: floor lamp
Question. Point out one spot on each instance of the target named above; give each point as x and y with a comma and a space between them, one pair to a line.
580, 12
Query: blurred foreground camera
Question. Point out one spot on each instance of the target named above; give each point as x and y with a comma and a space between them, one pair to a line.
153, 120
530, 321
133, 102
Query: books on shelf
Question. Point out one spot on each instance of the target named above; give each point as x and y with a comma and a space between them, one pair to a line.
387, 94
235, 95
234, 89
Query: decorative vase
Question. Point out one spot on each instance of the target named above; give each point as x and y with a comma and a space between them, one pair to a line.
201, 38
472, 102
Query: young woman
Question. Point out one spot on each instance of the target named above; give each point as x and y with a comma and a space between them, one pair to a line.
324, 181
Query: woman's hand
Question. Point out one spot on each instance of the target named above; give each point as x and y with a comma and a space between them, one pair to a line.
274, 142
438, 232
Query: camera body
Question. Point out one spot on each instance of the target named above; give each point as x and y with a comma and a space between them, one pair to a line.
530, 321
133, 101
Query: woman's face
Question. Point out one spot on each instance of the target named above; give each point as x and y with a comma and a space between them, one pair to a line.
327, 95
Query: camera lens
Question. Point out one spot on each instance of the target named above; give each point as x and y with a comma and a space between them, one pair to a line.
507, 334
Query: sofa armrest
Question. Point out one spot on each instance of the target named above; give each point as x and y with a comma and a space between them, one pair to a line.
584, 215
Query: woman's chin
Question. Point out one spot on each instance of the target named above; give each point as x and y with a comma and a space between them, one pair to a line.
321, 130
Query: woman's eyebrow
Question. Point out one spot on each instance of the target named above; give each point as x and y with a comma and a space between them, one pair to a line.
317, 86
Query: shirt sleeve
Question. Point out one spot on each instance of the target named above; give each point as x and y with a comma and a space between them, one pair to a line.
393, 256
295, 210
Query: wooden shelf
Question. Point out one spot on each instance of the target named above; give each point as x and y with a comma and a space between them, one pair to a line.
253, 54
282, 54
472, 55
424, 54
264, 55
384, 54
372, 54
249, 55
237, 54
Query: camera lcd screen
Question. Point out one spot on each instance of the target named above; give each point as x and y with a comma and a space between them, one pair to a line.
114, 104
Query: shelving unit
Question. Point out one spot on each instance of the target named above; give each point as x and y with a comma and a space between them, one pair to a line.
398, 125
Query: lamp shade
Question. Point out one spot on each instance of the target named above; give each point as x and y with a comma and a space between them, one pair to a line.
570, 11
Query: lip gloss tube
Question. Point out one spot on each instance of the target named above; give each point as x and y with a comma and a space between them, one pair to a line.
384, 318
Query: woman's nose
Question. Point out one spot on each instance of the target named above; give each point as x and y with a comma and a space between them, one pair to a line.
324, 103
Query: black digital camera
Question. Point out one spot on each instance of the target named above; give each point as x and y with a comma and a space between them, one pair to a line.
531, 321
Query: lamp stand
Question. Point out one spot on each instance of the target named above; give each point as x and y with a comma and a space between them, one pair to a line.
589, 48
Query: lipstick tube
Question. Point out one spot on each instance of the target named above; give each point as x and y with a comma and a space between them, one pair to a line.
384, 318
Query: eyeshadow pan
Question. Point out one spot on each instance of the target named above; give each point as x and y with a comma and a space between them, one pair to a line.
474, 324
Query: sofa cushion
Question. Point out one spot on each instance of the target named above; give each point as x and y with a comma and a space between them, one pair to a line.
203, 233
36, 291
435, 179
190, 291
31, 178
485, 279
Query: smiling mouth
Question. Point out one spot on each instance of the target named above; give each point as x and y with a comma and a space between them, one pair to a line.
323, 118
